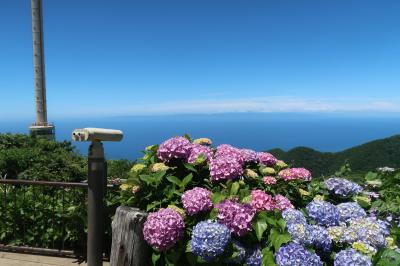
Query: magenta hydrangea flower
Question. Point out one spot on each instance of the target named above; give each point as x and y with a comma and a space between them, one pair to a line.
266, 158
163, 228
295, 174
197, 150
197, 200
224, 167
249, 156
269, 180
282, 203
226, 150
261, 201
237, 217
174, 148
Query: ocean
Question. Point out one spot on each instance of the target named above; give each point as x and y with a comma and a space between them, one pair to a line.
323, 132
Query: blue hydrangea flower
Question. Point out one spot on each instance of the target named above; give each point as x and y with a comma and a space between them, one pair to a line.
240, 254
383, 226
320, 238
367, 230
253, 257
342, 187
351, 257
293, 216
323, 213
294, 254
349, 211
300, 233
209, 239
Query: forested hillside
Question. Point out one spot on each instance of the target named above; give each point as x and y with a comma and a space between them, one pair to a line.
363, 158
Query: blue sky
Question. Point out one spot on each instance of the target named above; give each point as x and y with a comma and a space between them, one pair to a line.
106, 58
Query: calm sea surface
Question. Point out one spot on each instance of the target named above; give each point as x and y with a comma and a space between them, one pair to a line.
255, 131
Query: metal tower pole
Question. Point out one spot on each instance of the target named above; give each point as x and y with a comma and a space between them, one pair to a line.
38, 63
41, 126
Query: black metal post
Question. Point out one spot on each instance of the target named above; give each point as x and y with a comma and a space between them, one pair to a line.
96, 182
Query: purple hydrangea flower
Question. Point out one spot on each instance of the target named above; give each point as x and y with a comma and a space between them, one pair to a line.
293, 216
350, 210
323, 213
351, 257
209, 239
282, 203
197, 200
342, 187
174, 148
236, 216
249, 156
163, 228
269, 180
262, 201
294, 254
228, 151
253, 257
224, 167
266, 158
372, 195
295, 174
197, 150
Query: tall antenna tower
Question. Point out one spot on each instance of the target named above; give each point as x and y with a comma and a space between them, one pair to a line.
41, 127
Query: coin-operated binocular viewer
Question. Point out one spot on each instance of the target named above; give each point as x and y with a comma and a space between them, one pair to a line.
97, 182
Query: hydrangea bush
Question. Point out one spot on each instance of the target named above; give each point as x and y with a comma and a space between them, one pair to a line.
226, 205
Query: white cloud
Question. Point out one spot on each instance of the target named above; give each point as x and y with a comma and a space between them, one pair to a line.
277, 104
265, 105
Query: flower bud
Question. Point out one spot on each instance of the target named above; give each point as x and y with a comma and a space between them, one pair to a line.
124, 187
137, 168
202, 141
250, 174
267, 171
158, 167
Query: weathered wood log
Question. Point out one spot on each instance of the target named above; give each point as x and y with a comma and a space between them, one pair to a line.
128, 245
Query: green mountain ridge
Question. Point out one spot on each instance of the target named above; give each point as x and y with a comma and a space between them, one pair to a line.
362, 158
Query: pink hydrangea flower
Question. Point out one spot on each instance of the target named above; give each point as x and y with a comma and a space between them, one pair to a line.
229, 151
269, 180
174, 148
266, 158
163, 228
249, 155
282, 203
197, 200
261, 201
237, 217
295, 174
198, 149
224, 167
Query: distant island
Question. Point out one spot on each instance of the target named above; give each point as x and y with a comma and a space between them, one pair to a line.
362, 158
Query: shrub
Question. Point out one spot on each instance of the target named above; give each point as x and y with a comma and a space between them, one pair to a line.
243, 207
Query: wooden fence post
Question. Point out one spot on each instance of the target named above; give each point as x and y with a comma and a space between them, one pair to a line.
128, 245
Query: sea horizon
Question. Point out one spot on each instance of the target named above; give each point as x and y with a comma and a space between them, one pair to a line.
259, 131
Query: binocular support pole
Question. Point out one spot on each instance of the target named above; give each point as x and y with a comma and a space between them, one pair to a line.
96, 189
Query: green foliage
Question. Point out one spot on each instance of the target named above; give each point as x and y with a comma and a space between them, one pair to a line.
43, 216
363, 158
118, 168
47, 216
387, 257
387, 185
26, 157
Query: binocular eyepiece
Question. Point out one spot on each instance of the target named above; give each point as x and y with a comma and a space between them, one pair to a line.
96, 134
